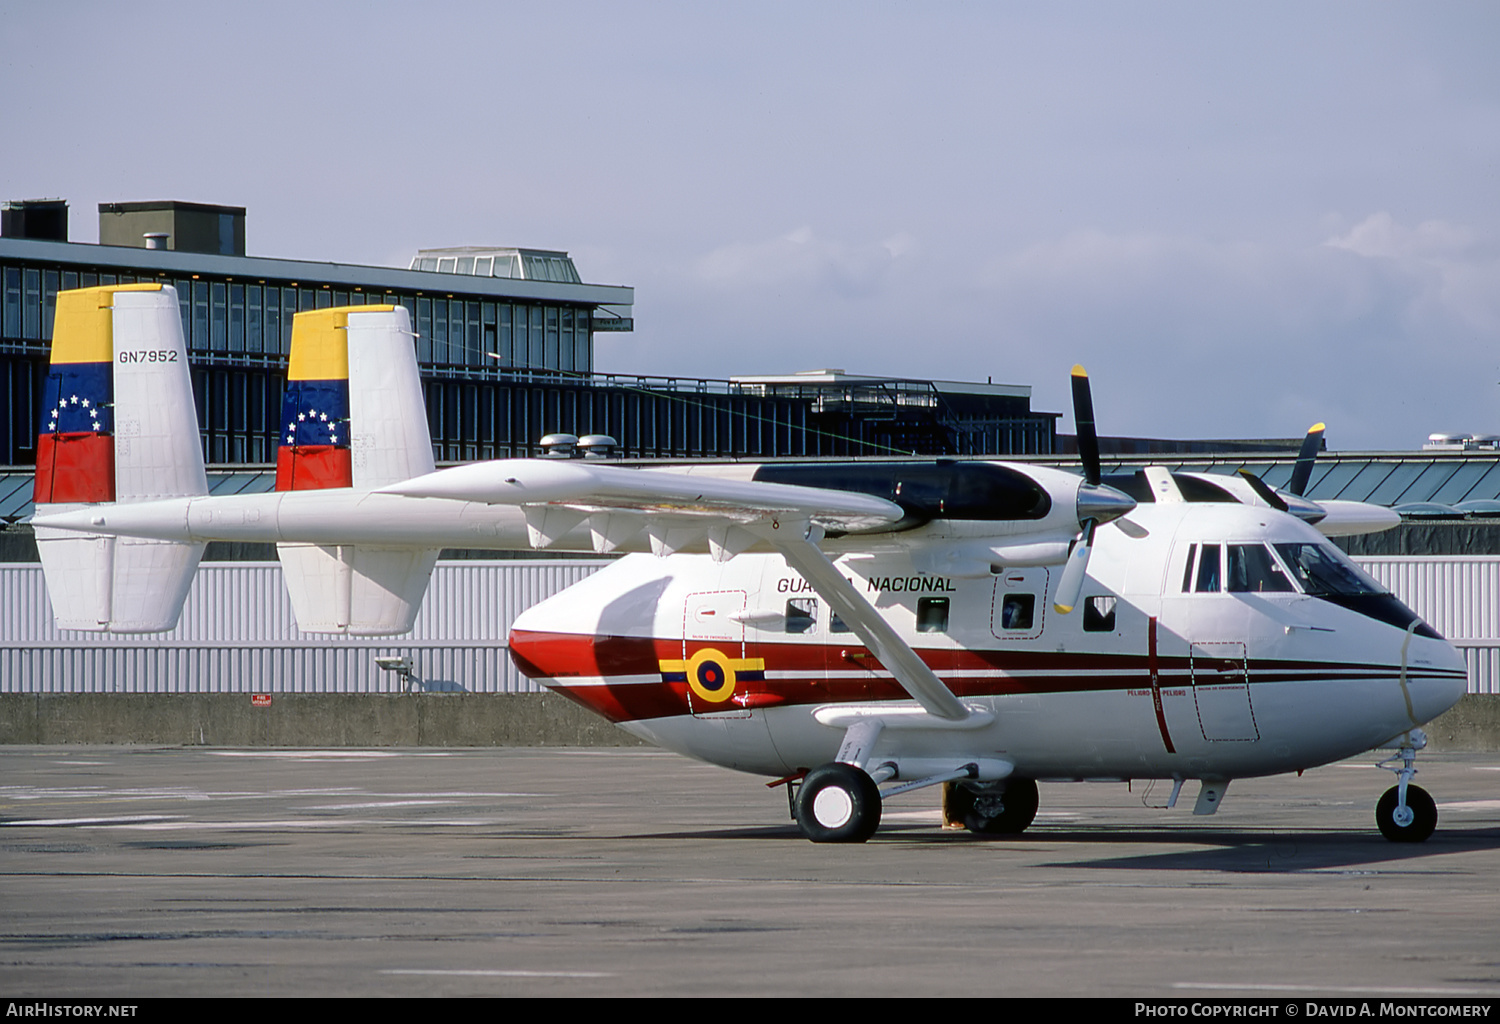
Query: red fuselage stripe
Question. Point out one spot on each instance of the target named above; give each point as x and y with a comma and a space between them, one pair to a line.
624, 679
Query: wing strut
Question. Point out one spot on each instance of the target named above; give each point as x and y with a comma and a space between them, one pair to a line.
867, 623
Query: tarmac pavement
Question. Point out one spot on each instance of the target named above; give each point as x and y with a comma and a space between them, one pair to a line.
132, 872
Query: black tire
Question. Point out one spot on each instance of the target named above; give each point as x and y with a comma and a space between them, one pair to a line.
996, 813
838, 803
1423, 815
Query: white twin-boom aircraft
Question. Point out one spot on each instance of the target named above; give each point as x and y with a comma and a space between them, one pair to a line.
855, 629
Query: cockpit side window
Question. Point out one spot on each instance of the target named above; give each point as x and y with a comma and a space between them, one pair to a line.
1253, 570
1321, 570
1209, 570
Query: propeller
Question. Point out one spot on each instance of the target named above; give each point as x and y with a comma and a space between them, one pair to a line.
1083, 419
1293, 501
1096, 502
1264, 492
1302, 471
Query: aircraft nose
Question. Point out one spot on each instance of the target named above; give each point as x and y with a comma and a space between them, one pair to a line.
1431, 697
1102, 503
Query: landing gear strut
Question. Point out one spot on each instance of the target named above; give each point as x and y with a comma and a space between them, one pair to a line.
838, 803
1406, 813
992, 810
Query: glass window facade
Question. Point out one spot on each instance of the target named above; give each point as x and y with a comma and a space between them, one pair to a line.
499, 373
239, 332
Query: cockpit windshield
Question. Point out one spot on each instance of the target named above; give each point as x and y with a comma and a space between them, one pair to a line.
1322, 571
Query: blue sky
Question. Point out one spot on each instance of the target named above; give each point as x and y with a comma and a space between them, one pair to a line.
1241, 219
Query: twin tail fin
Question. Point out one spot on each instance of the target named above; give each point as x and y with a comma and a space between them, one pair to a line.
119, 425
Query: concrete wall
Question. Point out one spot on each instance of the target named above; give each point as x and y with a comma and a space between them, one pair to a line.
417, 720
305, 720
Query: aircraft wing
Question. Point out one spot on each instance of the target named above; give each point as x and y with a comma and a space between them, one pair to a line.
556, 495
796, 517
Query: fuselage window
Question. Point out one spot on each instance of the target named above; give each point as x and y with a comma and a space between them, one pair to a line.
1018, 611
1253, 570
801, 615
1099, 614
836, 624
1187, 573
1208, 570
932, 615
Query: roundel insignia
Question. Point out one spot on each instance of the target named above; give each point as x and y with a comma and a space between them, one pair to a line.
711, 675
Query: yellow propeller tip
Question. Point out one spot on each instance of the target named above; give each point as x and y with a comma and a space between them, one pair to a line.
1079, 371
1317, 428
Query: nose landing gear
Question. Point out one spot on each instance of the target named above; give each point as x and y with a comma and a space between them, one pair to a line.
1406, 813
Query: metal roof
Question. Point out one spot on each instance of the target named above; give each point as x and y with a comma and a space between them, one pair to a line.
174, 261
1392, 479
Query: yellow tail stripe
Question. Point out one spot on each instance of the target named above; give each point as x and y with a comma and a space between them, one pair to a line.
320, 342
320, 345
83, 327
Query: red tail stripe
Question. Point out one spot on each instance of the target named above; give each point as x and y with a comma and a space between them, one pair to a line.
313, 468
74, 467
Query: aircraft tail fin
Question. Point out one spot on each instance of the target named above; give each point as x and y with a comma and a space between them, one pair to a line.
353, 409
353, 416
118, 425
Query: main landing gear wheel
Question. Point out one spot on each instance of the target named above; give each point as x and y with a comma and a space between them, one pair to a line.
838, 803
995, 812
1410, 824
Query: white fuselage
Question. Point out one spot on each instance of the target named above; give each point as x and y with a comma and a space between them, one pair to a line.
1161, 672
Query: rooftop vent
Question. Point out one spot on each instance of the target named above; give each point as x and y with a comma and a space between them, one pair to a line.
559, 446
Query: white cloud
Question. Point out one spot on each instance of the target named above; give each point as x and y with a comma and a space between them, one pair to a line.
1184, 335
1384, 329
1379, 235
804, 260
1458, 271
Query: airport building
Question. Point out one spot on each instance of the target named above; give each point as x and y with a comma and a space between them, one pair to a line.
505, 342
506, 351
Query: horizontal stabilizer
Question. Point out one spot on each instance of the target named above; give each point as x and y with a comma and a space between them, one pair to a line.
356, 591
